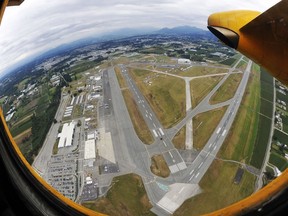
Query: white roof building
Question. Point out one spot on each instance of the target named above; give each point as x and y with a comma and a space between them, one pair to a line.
66, 136
184, 61
89, 151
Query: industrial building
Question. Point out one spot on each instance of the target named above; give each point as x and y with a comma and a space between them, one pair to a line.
66, 136
89, 153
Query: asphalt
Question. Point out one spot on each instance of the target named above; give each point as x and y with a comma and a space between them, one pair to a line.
166, 195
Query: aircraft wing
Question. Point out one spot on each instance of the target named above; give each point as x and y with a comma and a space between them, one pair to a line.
261, 37
272, 25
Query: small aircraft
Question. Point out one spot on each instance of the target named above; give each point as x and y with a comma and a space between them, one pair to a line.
261, 37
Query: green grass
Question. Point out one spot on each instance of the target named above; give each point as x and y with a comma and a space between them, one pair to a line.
204, 124
240, 140
201, 71
266, 108
165, 94
218, 190
201, 88
265, 121
227, 90
242, 65
229, 61
281, 137
137, 119
121, 80
261, 142
126, 197
179, 139
279, 161
21, 127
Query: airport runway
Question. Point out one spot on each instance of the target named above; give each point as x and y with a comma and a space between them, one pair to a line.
194, 173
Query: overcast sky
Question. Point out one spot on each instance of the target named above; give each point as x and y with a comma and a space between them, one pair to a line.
39, 25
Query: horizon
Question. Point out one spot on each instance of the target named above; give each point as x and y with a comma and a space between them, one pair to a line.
68, 23
100, 39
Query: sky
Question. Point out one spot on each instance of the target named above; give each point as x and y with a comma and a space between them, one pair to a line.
40, 25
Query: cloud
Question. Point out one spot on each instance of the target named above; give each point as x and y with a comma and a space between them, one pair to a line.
39, 25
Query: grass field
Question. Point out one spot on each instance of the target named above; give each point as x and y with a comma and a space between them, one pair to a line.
22, 136
179, 139
159, 166
239, 143
231, 61
242, 65
121, 80
165, 94
218, 190
204, 124
279, 161
201, 88
261, 142
126, 197
267, 90
281, 137
138, 121
265, 121
227, 90
21, 127
266, 108
201, 71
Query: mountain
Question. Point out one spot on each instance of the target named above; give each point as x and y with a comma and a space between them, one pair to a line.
183, 30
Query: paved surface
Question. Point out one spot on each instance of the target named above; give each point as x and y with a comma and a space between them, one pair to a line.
131, 155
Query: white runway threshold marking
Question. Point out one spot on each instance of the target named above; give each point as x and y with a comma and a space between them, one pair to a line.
176, 195
155, 134
161, 131
218, 130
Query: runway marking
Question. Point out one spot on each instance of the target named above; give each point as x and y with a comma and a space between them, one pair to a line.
200, 164
224, 132
181, 190
154, 125
143, 105
155, 134
150, 113
146, 111
150, 118
161, 131
215, 148
146, 116
165, 143
210, 145
191, 177
191, 172
171, 154
218, 130
197, 175
207, 155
